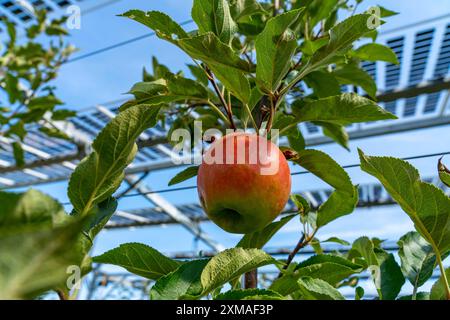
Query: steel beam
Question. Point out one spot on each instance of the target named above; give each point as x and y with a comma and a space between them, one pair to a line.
397, 127
414, 91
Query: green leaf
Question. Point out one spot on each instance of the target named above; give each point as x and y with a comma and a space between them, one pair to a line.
198, 73
335, 132
54, 133
184, 87
417, 257
259, 239
31, 207
340, 203
161, 23
255, 97
214, 16
342, 37
249, 294
182, 283
438, 291
419, 296
241, 9
323, 83
323, 166
101, 173
139, 259
275, 47
301, 203
386, 273
343, 109
44, 102
230, 264
173, 88
55, 30
12, 88
184, 175
320, 9
296, 139
223, 62
18, 129
336, 240
34, 258
359, 293
444, 173
365, 248
309, 47
160, 71
384, 13
316, 289
98, 217
209, 49
142, 90
352, 74
12, 32
329, 268
206, 47
62, 114
235, 81
344, 199
392, 278
376, 52
427, 206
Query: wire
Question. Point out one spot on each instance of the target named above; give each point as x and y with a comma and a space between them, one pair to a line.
117, 45
100, 6
133, 185
430, 155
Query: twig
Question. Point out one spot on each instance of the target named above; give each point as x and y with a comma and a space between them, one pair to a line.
221, 97
249, 112
251, 279
62, 295
303, 242
220, 113
271, 114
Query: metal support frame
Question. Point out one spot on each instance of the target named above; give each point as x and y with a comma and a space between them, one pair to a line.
175, 214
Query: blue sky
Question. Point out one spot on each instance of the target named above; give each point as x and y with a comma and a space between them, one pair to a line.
107, 76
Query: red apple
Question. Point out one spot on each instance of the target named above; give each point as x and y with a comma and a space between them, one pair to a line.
243, 182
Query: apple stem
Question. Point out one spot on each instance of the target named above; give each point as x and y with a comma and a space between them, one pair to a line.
251, 279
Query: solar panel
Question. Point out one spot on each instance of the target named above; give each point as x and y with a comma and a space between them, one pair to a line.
410, 107
421, 52
443, 62
15, 9
370, 68
431, 102
21, 14
393, 71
